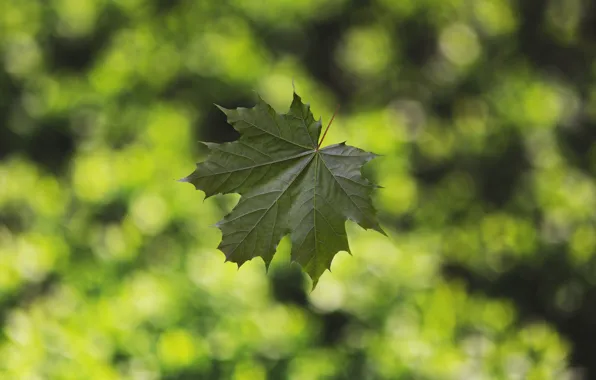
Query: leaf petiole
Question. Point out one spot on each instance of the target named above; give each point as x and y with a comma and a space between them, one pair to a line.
328, 125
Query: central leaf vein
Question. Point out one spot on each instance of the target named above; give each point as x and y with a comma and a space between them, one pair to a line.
298, 172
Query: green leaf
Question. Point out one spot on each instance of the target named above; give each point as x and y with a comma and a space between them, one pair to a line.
287, 185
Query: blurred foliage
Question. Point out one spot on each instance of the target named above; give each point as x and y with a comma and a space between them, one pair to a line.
484, 110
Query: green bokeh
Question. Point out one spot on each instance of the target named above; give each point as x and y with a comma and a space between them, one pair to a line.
145, 295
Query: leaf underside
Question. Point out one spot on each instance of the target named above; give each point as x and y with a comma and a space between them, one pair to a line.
287, 185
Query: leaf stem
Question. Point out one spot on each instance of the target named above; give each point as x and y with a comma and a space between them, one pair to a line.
328, 125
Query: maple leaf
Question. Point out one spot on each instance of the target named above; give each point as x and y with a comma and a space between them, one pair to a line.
287, 185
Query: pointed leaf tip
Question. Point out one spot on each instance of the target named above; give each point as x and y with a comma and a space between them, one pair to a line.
381, 231
222, 109
210, 145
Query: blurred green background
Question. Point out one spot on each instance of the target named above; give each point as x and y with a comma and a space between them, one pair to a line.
484, 112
